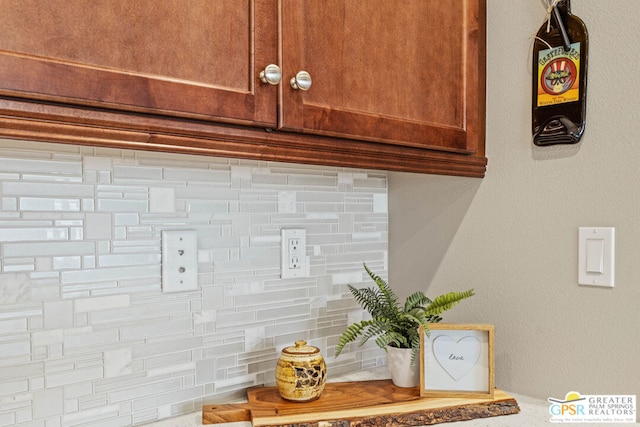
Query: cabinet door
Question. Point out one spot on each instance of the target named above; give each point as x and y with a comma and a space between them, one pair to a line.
402, 72
197, 58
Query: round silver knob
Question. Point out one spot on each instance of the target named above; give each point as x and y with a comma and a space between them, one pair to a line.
271, 74
301, 81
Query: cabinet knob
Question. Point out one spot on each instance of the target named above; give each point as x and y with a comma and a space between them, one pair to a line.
271, 74
301, 81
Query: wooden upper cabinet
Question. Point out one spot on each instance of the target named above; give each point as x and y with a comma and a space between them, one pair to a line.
192, 58
401, 72
396, 85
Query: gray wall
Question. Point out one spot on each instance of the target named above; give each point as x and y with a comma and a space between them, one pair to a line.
513, 236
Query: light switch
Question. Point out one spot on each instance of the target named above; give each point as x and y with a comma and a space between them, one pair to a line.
596, 256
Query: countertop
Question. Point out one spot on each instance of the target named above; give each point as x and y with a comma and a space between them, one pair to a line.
533, 412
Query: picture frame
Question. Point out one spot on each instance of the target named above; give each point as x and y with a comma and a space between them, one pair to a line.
457, 360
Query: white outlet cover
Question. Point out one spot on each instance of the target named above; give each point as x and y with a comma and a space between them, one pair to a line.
179, 260
288, 267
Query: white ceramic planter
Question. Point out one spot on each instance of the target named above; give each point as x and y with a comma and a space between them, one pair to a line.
403, 374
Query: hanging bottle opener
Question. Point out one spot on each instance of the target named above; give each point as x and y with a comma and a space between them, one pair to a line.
560, 52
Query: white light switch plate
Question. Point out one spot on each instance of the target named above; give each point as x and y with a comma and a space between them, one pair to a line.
596, 256
179, 260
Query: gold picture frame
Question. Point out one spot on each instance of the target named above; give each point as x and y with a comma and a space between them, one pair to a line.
457, 360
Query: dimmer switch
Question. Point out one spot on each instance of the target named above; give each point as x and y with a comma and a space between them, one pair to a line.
596, 256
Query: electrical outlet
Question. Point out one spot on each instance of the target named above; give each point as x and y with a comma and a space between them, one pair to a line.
294, 253
179, 260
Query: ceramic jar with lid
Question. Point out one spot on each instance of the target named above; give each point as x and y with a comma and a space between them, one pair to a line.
301, 372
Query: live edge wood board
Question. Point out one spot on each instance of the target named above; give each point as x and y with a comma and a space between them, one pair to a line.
364, 403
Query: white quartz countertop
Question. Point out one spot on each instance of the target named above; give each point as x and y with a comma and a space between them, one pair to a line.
533, 412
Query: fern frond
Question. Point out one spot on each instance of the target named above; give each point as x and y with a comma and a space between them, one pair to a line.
416, 300
376, 327
368, 298
446, 302
433, 319
388, 294
415, 348
416, 316
392, 338
350, 334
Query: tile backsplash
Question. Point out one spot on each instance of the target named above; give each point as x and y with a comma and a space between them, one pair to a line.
88, 338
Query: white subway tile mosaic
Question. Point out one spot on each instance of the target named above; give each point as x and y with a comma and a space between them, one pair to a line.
58, 314
25, 234
9, 163
86, 335
7, 419
47, 403
101, 303
72, 376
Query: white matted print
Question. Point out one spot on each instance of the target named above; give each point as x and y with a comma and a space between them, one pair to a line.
457, 361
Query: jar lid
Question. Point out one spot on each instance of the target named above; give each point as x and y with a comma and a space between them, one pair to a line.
301, 348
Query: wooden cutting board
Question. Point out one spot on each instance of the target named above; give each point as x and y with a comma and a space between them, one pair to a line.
360, 403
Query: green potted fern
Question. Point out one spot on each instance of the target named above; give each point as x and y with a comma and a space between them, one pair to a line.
395, 326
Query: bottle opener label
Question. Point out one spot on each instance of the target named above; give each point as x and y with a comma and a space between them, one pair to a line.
558, 72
